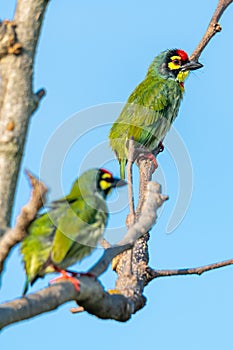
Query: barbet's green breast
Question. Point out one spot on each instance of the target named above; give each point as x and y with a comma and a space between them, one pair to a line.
147, 115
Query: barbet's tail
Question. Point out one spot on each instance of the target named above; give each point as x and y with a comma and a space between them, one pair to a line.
122, 168
29, 283
26, 286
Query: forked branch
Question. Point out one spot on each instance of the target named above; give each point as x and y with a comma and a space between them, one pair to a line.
92, 295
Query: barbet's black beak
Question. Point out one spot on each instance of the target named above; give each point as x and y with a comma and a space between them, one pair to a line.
118, 182
191, 65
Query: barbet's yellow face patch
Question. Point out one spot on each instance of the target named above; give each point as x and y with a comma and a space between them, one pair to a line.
176, 63
104, 182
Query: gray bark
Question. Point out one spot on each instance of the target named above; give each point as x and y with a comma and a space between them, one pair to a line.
18, 101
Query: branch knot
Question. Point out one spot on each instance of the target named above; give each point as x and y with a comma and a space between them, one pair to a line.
217, 27
9, 43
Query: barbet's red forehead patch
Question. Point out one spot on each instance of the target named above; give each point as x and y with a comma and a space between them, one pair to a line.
183, 55
105, 171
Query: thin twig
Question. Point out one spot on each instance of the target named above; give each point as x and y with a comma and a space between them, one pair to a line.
187, 271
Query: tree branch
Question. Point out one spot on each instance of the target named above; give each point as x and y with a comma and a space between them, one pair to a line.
13, 236
92, 295
17, 100
152, 274
131, 265
213, 28
153, 200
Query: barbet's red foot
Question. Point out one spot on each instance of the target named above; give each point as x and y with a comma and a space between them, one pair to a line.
150, 156
66, 276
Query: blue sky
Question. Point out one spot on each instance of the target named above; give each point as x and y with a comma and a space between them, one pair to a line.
94, 53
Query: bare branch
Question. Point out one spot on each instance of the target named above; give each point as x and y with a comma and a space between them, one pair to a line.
146, 169
152, 274
153, 200
91, 296
213, 28
13, 236
131, 264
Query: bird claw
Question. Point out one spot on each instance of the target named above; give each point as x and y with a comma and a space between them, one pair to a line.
65, 276
145, 156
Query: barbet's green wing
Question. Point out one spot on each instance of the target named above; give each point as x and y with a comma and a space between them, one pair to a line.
148, 110
64, 235
36, 247
79, 230
147, 115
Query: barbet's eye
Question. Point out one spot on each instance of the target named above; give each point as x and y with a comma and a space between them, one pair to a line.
177, 62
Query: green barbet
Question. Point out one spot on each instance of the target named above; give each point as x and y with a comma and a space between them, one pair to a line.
70, 229
152, 107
